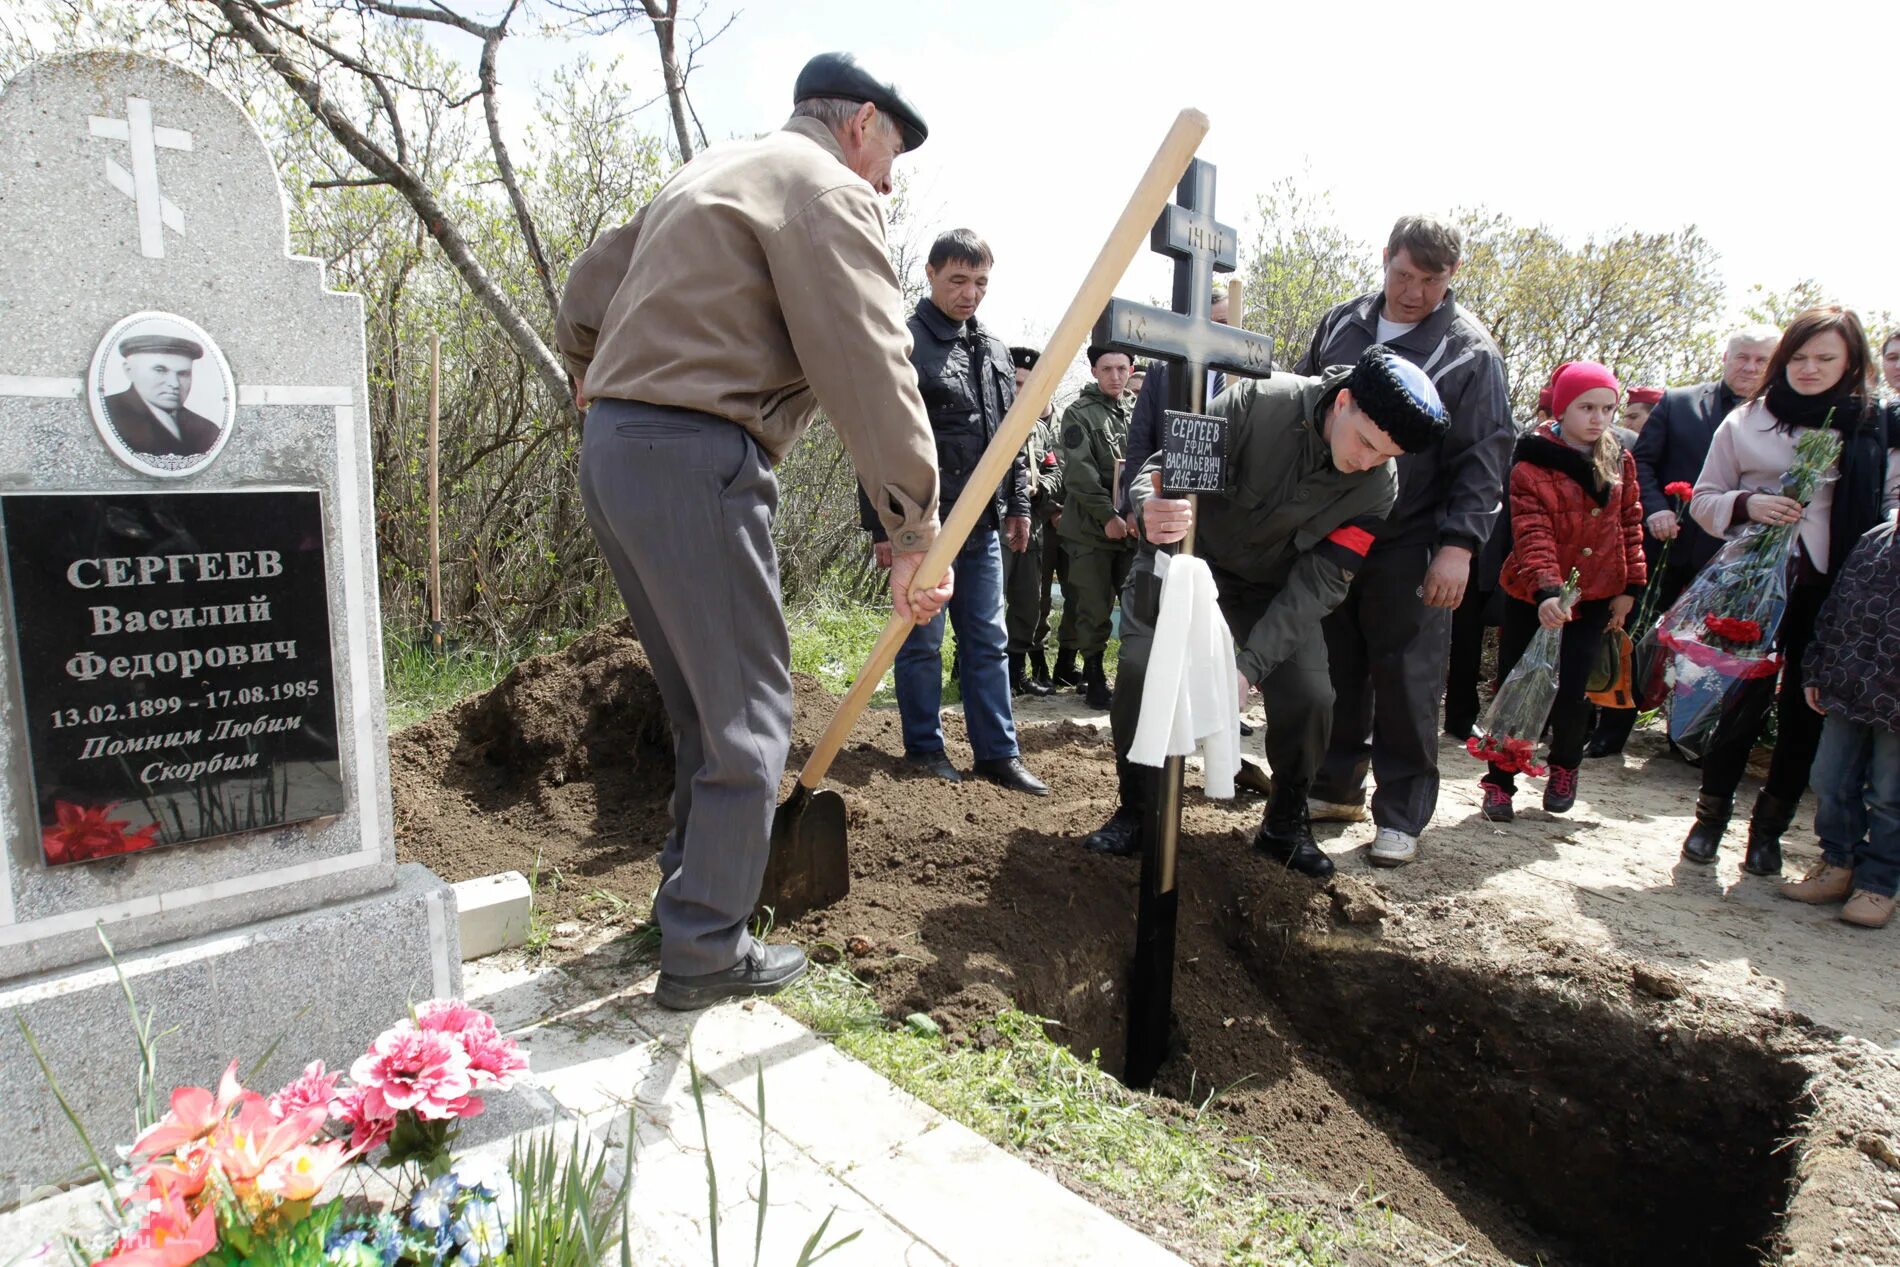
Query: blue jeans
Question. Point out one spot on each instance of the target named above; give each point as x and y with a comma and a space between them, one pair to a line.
976, 605
1857, 780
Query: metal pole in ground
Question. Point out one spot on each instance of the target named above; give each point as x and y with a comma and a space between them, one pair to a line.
435, 493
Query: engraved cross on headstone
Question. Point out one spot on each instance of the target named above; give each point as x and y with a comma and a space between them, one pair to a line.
154, 210
1200, 246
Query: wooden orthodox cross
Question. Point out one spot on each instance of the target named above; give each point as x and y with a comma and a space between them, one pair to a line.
1194, 343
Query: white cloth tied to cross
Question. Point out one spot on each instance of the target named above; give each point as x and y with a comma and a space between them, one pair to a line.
1191, 695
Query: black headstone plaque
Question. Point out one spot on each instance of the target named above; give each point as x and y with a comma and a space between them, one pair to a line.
1193, 453
174, 655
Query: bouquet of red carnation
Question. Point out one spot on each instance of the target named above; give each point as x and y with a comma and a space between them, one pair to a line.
1514, 724
1649, 667
1720, 635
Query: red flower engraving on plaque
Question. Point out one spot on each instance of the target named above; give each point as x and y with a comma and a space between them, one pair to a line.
85, 832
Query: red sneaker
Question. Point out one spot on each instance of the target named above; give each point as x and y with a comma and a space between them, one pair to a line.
1497, 803
1560, 793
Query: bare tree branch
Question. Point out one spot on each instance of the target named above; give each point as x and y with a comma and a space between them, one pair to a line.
348, 184
246, 20
504, 165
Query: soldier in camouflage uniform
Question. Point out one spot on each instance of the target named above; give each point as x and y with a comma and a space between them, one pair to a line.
1025, 594
1312, 477
1093, 438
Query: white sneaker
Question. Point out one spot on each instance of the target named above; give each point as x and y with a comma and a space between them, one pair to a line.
1393, 848
1335, 811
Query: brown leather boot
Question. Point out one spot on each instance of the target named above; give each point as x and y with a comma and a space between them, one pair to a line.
1867, 910
1824, 883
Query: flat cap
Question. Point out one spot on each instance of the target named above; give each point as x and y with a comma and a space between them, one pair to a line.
838, 75
169, 344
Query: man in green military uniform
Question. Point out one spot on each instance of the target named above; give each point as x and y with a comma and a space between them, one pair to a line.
1310, 478
1093, 437
1025, 596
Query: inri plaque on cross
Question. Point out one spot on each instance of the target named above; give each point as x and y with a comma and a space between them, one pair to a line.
1197, 446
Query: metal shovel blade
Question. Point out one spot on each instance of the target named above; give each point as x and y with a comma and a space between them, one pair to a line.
810, 865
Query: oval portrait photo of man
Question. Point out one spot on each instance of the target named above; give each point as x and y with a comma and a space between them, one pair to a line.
161, 394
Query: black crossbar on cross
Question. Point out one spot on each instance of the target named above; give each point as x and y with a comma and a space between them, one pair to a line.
1188, 336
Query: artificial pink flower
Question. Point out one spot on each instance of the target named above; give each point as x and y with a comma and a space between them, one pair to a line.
452, 1016
410, 1069
186, 1172
301, 1173
494, 1062
312, 1087
194, 1114
366, 1131
168, 1236
257, 1138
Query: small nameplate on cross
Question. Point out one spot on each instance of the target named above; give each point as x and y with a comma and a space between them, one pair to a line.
1193, 453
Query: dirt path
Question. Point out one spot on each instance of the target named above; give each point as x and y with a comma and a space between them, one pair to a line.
1540, 1040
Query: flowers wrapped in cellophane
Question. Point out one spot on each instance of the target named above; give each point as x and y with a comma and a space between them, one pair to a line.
1721, 633
1513, 726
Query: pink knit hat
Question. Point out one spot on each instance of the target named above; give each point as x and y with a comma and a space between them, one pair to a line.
1576, 378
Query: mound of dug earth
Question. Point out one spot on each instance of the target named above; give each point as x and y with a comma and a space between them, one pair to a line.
1461, 1064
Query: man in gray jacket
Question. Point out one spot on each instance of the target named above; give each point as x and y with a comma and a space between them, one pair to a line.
706, 332
1387, 643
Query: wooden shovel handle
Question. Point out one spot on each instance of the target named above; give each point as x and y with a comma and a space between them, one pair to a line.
1130, 231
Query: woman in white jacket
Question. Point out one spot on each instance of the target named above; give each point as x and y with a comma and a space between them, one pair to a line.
1821, 376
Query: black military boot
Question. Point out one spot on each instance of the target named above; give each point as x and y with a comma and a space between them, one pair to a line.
1286, 834
1019, 682
1120, 836
1765, 826
1039, 670
1096, 691
1711, 820
1066, 673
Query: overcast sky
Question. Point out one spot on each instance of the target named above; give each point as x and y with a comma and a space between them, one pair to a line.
1769, 126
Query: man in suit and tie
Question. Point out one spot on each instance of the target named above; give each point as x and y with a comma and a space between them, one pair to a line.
1670, 449
150, 415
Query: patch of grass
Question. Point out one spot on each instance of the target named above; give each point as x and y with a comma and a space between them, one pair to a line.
831, 640
418, 682
1028, 1093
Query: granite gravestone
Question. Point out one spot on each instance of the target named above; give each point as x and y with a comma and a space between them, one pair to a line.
191, 707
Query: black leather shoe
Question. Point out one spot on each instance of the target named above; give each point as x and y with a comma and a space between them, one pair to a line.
1711, 820
1603, 746
1096, 692
1246, 731
1770, 819
1298, 851
1010, 772
1066, 673
1120, 836
933, 763
1020, 683
764, 970
1286, 835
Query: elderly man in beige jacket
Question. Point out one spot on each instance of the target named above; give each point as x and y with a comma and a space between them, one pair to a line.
703, 336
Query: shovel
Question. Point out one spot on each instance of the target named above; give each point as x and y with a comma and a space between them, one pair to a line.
810, 867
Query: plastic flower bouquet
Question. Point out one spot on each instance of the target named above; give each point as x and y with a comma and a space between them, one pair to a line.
1720, 635
1514, 724
231, 1177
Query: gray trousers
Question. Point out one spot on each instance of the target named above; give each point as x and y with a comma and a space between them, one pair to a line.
682, 504
1387, 651
1298, 694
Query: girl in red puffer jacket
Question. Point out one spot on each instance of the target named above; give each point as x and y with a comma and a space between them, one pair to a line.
1574, 504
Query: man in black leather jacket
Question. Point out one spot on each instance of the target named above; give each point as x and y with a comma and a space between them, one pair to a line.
968, 383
